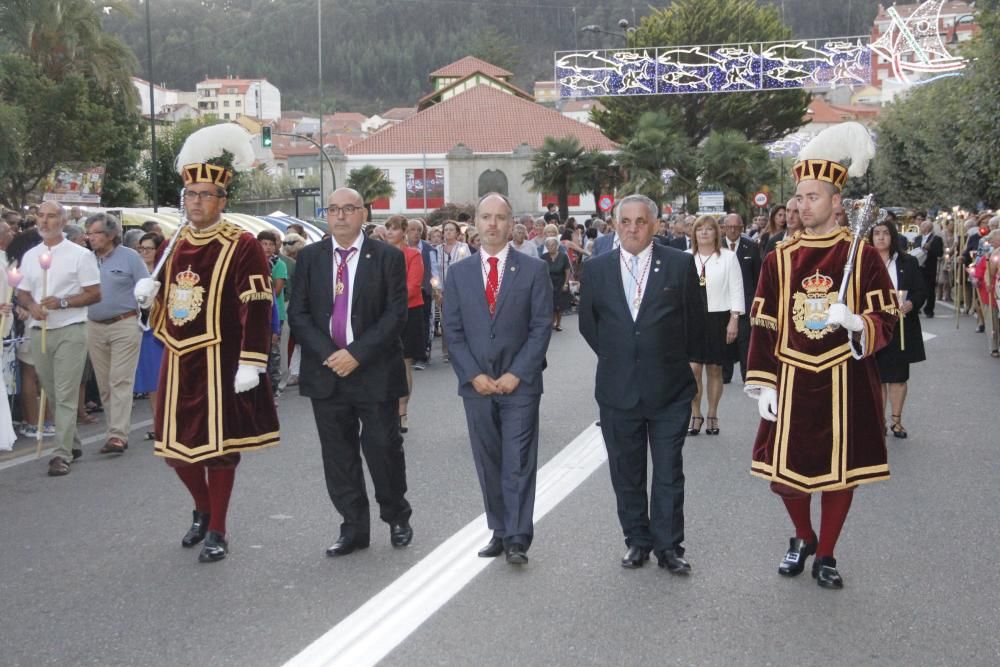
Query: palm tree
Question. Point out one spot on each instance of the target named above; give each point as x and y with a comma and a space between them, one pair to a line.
729, 162
371, 184
602, 174
557, 167
65, 37
656, 147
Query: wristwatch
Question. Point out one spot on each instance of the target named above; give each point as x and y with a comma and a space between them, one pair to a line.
64, 303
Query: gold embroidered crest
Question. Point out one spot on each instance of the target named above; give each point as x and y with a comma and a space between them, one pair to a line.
186, 297
810, 309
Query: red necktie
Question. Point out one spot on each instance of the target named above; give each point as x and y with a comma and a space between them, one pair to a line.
492, 285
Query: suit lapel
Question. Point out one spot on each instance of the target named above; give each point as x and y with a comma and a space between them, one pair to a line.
654, 281
619, 284
509, 282
475, 283
326, 272
364, 271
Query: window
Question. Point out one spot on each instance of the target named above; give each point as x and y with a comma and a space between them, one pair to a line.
226, 116
550, 198
226, 103
493, 180
239, 103
382, 204
421, 181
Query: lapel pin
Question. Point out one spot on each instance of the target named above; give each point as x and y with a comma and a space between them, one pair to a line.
657, 262
656, 269
513, 268
367, 256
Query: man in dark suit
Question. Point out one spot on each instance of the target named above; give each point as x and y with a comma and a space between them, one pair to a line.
497, 323
606, 243
748, 254
643, 313
793, 225
348, 311
933, 247
682, 236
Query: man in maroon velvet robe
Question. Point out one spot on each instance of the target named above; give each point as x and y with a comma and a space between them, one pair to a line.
812, 367
214, 317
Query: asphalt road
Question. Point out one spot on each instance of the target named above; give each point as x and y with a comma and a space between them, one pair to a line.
92, 572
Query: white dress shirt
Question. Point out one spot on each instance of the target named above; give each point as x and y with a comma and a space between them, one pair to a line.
485, 265
625, 265
352, 270
723, 281
73, 268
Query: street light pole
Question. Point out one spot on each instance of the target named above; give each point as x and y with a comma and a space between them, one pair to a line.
319, 86
154, 167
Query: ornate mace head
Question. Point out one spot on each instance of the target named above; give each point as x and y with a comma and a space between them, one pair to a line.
863, 214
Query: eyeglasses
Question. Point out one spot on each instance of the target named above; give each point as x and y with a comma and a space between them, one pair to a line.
350, 209
196, 196
146, 248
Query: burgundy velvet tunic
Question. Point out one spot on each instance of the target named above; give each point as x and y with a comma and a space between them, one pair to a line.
213, 314
830, 429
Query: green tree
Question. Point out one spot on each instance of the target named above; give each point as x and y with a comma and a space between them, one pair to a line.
729, 162
67, 85
601, 173
371, 184
557, 168
760, 116
657, 148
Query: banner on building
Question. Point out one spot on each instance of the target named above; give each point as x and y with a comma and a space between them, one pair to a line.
74, 184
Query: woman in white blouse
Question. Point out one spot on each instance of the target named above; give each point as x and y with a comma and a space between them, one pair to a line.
719, 273
452, 250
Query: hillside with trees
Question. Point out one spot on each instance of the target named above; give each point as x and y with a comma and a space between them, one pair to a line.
378, 53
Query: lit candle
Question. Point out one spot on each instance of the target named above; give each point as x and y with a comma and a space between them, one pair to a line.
45, 261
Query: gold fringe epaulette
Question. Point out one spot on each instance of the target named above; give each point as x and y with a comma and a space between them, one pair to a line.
764, 323
253, 295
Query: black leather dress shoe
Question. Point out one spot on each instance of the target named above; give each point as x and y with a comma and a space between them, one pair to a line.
215, 547
825, 572
794, 562
517, 554
196, 533
493, 549
400, 534
345, 545
674, 564
635, 557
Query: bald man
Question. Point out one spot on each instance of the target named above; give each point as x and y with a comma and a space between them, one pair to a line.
348, 309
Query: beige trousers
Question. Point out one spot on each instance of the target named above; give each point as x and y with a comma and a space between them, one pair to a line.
114, 353
60, 369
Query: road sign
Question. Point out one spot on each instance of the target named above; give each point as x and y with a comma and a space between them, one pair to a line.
711, 202
606, 203
305, 192
761, 199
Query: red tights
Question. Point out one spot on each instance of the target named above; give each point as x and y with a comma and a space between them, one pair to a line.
834, 505
211, 489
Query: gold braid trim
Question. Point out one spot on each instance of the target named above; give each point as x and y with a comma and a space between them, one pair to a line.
764, 323
253, 295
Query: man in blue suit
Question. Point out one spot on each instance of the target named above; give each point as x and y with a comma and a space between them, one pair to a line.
643, 312
497, 324
606, 243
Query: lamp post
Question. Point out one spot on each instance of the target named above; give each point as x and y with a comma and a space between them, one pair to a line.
623, 24
319, 87
152, 109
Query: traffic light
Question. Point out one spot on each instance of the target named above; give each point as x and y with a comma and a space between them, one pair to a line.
265, 137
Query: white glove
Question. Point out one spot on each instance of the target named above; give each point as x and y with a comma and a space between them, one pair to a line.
767, 404
247, 377
145, 291
839, 315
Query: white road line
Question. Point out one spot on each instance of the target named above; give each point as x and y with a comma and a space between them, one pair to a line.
29, 452
382, 623
928, 336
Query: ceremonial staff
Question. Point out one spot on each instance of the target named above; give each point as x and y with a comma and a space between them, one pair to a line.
45, 261
862, 215
173, 240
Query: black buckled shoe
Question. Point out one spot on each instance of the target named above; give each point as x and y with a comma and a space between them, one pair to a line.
215, 547
794, 562
400, 534
492, 549
825, 573
196, 533
635, 557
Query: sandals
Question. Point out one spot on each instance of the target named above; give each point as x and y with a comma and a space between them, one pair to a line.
712, 428
114, 446
695, 431
897, 428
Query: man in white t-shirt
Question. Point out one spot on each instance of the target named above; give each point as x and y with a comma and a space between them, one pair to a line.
58, 297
